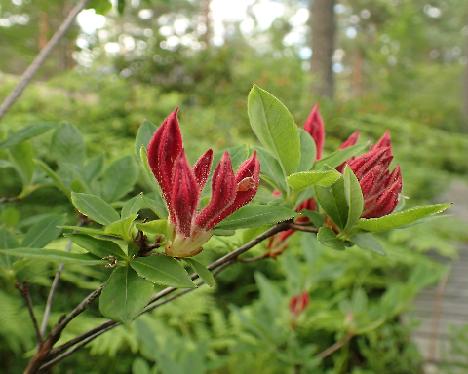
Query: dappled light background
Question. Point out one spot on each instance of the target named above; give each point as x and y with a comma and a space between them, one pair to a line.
400, 65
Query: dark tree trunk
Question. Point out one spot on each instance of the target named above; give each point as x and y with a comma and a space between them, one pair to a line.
323, 39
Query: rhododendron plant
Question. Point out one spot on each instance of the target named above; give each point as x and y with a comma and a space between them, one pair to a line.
341, 199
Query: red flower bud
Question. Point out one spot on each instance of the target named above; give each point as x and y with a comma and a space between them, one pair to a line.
163, 149
352, 139
380, 187
181, 186
298, 303
202, 168
185, 195
315, 127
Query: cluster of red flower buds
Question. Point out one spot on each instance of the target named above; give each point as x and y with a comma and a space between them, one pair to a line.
181, 187
380, 186
298, 303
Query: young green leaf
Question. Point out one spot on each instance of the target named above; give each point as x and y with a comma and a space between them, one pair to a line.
367, 241
158, 226
43, 231
68, 145
88, 231
256, 215
98, 247
52, 255
328, 238
272, 169
399, 219
144, 134
123, 228
95, 208
202, 271
56, 180
274, 126
25, 133
354, 197
124, 295
308, 151
305, 179
127, 171
163, 270
333, 201
22, 158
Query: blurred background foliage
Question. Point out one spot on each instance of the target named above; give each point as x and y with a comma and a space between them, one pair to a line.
398, 64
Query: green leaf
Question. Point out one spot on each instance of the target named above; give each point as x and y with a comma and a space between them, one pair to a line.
95, 208
315, 217
354, 197
87, 230
328, 238
100, 6
147, 173
144, 135
56, 180
22, 157
202, 271
272, 169
400, 219
341, 155
68, 145
256, 215
163, 270
121, 6
52, 255
124, 295
158, 226
44, 231
119, 178
93, 168
305, 179
274, 126
123, 228
333, 201
98, 247
367, 241
308, 151
26, 133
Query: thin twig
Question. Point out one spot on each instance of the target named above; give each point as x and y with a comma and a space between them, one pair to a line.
335, 346
53, 290
31, 70
24, 291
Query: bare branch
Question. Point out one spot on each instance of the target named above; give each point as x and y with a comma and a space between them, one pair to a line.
40, 58
24, 291
335, 346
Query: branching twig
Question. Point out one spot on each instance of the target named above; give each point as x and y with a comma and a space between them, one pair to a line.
40, 58
335, 346
24, 291
53, 289
71, 346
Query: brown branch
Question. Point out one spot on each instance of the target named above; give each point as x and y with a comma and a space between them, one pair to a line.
31, 70
23, 288
71, 346
335, 346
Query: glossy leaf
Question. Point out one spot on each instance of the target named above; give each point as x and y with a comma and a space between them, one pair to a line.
163, 270
124, 295
202, 271
272, 169
98, 247
256, 215
354, 197
52, 255
123, 228
44, 231
333, 201
328, 238
274, 126
305, 179
338, 157
400, 219
119, 178
308, 151
95, 208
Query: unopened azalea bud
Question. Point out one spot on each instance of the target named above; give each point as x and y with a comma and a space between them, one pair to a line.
298, 303
314, 125
380, 187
